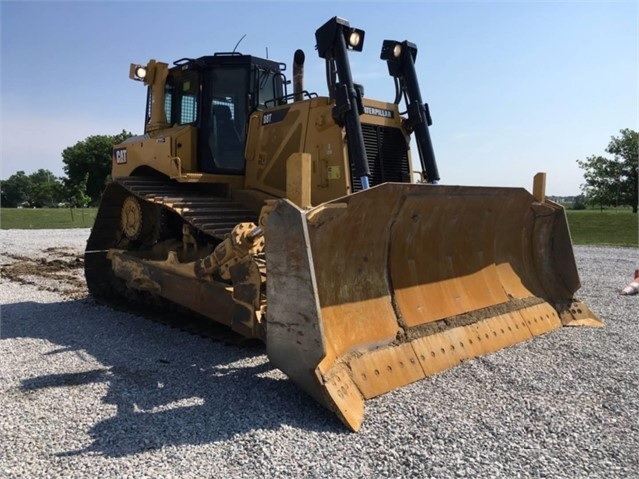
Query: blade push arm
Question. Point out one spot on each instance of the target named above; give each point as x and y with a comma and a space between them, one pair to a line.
400, 57
334, 39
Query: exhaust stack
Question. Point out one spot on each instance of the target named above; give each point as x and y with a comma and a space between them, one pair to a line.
298, 75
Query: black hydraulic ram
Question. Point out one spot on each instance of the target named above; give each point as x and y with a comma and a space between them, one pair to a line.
400, 57
334, 39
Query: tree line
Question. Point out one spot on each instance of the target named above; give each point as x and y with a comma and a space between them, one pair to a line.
609, 181
613, 181
87, 168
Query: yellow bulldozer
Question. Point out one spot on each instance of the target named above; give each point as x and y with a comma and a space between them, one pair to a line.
296, 219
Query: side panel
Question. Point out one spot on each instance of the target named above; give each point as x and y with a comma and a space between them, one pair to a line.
301, 127
294, 312
309, 127
163, 151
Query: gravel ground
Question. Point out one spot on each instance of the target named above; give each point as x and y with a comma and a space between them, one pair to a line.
92, 392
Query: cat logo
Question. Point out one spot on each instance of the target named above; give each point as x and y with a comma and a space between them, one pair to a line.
120, 156
382, 112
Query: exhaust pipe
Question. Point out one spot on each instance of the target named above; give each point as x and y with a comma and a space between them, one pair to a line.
298, 75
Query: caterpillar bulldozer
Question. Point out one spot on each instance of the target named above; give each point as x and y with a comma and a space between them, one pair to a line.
297, 219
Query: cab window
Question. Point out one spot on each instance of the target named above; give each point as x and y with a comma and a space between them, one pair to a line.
181, 98
268, 88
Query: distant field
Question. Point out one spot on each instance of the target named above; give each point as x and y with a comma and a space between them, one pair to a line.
608, 227
46, 218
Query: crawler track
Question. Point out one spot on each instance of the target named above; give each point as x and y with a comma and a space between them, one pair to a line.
212, 217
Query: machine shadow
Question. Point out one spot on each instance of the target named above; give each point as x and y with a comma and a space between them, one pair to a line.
205, 395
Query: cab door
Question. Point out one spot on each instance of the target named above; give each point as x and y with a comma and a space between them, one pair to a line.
222, 135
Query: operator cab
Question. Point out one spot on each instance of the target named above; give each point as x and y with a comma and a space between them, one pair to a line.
217, 94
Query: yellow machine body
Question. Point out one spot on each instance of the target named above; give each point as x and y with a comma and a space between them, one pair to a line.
355, 291
306, 126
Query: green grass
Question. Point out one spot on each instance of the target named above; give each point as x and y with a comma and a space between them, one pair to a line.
616, 227
46, 218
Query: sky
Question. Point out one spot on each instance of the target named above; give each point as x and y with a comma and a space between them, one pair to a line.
513, 87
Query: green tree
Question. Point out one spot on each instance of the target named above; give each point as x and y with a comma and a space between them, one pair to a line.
579, 203
89, 162
38, 189
613, 181
44, 190
14, 190
625, 150
75, 194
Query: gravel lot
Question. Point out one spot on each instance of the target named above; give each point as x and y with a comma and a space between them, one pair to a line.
92, 392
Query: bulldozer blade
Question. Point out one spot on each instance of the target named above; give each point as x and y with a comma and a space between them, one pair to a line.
386, 286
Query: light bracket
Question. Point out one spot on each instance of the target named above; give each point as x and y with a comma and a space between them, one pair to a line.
327, 36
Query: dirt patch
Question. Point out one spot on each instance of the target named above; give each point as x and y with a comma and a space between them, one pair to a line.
59, 270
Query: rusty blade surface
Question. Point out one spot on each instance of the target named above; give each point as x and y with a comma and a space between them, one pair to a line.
386, 286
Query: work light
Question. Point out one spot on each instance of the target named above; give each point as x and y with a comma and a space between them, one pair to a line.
329, 33
140, 72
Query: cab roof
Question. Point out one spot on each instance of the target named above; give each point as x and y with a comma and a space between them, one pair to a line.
229, 58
